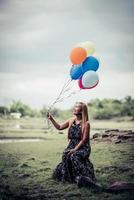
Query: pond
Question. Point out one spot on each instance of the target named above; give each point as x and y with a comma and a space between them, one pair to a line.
2, 141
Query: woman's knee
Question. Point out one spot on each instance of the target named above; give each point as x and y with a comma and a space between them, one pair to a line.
65, 156
74, 157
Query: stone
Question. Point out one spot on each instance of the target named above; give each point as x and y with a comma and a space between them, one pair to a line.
117, 141
111, 130
96, 135
119, 186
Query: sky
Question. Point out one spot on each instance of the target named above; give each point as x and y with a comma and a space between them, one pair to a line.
37, 36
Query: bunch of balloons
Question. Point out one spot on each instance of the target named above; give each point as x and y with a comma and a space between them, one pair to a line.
84, 65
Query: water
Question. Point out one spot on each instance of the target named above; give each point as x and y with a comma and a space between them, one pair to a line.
3, 141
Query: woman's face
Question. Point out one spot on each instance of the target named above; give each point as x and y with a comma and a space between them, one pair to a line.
77, 109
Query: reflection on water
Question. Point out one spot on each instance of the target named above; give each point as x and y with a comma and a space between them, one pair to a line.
19, 140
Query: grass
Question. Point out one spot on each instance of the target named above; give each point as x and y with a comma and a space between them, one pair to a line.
26, 168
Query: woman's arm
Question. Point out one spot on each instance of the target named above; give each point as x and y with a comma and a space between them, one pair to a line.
57, 125
85, 136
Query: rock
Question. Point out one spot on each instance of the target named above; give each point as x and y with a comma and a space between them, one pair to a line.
104, 135
114, 135
111, 130
119, 186
126, 136
107, 139
96, 135
126, 131
117, 141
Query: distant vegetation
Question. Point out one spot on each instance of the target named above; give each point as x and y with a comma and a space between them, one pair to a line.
110, 108
98, 109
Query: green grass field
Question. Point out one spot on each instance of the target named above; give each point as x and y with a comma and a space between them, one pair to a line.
26, 167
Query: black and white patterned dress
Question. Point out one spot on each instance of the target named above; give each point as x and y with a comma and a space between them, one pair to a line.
76, 164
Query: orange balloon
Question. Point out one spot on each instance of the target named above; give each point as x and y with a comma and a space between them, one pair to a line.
78, 55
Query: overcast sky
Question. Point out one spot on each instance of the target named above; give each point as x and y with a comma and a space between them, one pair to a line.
36, 37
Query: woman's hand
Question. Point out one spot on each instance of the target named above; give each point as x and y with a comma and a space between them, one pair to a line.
71, 151
49, 116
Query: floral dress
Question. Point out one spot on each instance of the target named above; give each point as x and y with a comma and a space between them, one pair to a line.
76, 164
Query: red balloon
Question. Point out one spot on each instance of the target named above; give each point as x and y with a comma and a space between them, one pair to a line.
80, 84
82, 87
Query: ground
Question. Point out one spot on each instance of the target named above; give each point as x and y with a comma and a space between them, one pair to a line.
26, 167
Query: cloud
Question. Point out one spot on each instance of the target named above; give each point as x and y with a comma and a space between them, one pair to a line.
33, 90
36, 40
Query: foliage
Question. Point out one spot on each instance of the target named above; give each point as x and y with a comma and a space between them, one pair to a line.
25, 110
98, 109
110, 108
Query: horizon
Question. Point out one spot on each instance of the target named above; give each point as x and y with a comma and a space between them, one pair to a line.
59, 107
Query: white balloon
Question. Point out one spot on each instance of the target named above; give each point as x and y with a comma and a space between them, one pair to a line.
90, 79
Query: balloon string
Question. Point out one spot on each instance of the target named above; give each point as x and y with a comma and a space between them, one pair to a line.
72, 93
61, 92
67, 82
64, 91
67, 88
64, 86
61, 100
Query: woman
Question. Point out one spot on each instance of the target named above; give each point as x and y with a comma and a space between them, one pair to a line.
75, 166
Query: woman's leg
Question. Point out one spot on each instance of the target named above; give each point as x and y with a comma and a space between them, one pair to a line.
81, 165
57, 175
67, 167
76, 168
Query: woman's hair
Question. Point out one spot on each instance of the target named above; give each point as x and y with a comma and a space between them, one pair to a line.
84, 114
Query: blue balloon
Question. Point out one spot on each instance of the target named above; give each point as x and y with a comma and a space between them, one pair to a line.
91, 63
76, 72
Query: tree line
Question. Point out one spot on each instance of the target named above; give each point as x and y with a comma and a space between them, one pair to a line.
98, 109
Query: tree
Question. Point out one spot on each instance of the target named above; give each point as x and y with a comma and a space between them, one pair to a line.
4, 110
18, 106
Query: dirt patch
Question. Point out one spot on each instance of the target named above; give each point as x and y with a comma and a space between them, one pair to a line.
114, 135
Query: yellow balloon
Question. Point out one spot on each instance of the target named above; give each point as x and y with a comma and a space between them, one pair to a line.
96, 56
88, 46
